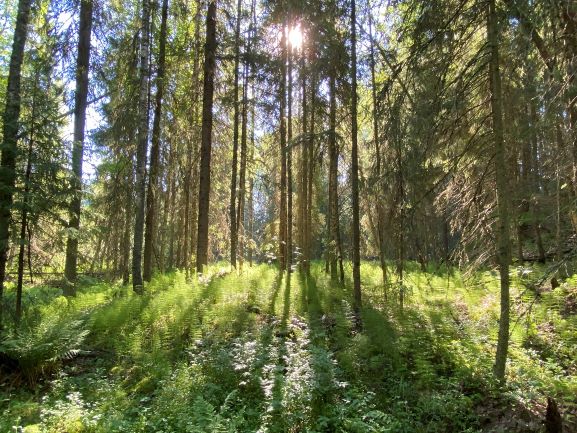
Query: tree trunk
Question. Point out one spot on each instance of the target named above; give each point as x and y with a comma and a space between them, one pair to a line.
125, 269
303, 199
80, 105
206, 138
310, 168
283, 171
128, 209
171, 203
9, 146
534, 175
401, 234
25, 205
141, 151
186, 208
153, 179
333, 214
503, 246
193, 165
379, 183
250, 216
242, 174
233, 177
355, 169
289, 163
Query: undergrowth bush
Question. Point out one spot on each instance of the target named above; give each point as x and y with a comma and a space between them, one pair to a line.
39, 351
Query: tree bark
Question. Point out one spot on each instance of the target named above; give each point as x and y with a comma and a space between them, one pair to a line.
9, 146
310, 168
141, 150
80, 105
283, 171
233, 176
171, 204
206, 138
355, 169
503, 241
303, 199
379, 184
240, 213
289, 159
153, 179
193, 166
126, 234
333, 214
250, 216
534, 177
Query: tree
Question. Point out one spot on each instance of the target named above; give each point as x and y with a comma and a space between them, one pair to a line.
240, 211
355, 168
333, 210
10, 136
233, 176
80, 105
206, 137
289, 152
153, 179
379, 182
503, 242
304, 170
282, 238
141, 150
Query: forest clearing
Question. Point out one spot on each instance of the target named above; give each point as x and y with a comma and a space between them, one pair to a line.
288, 216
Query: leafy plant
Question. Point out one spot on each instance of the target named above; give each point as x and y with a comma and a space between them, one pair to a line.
41, 350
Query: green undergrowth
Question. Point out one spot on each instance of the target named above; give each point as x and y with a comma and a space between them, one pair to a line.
257, 352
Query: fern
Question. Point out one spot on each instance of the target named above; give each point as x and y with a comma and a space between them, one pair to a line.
41, 350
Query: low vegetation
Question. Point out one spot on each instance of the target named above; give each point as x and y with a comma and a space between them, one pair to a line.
258, 353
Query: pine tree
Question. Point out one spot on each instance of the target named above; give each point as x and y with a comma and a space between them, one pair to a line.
80, 105
206, 136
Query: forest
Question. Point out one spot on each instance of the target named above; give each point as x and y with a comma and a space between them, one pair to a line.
278, 216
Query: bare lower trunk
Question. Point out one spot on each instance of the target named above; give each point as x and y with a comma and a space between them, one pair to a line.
151, 198
240, 213
80, 105
379, 183
310, 168
283, 172
206, 138
503, 243
141, 151
233, 177
289, 157
126, 236
355, 170
303, 199
333, 219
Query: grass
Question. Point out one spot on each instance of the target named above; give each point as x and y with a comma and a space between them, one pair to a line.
258, 352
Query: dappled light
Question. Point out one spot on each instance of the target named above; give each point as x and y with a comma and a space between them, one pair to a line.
260, 354
259, 216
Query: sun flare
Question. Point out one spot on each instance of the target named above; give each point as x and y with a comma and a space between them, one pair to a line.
295, 36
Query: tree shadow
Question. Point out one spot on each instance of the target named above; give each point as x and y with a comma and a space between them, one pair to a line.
278, 422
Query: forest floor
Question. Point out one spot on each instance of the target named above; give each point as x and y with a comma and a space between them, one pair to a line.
257, 352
